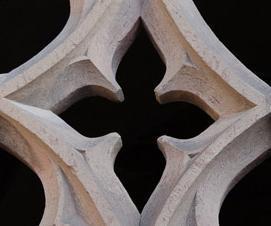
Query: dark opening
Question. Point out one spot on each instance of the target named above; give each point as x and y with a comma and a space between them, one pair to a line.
243, 26
248, 203
140, 119
22, 199
27, 27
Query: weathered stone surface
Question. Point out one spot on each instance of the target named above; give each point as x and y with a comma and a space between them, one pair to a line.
77, 172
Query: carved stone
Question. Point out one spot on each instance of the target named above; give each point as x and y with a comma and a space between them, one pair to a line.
77, 173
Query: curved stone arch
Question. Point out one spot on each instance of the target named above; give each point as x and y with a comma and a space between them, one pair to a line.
237, 159
77, 172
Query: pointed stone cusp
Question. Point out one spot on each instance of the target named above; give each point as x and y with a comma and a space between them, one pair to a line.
103, 149
188, 147
165, 91
176, 163
170, 150
203, 89
58, 91
104, 84
99, 154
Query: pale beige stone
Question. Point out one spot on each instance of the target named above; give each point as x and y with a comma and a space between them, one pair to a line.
77, 172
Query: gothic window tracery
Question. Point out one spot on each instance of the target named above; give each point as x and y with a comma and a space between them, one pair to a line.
77, 172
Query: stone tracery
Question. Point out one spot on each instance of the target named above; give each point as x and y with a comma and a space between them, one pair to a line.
77, 172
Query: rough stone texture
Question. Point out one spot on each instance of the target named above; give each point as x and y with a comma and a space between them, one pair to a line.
77, 172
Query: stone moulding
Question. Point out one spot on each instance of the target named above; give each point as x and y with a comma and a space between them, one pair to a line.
77, 172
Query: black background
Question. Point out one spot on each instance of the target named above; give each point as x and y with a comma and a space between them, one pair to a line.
28, 26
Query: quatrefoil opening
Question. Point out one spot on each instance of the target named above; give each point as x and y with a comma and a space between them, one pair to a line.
139, 119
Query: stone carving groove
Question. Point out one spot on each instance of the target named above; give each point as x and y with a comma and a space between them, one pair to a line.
80, 185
